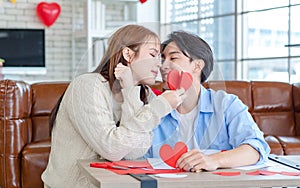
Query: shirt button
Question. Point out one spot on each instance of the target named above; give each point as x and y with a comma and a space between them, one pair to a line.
177, 129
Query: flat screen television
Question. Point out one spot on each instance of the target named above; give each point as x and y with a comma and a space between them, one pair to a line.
23, 50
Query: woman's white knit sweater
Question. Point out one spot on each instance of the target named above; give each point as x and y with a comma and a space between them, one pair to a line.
85, 128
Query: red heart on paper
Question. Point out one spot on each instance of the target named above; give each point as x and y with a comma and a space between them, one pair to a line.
48, 12
169, 155
177, 80
143, 1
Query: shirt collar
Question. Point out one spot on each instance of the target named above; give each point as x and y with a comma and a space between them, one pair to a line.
204, 102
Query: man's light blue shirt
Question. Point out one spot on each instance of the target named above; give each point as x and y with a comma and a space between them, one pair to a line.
223, 123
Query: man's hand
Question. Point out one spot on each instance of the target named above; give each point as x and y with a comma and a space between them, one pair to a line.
195, 160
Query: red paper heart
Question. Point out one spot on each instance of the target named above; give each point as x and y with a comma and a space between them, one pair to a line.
177, 80
169, 155
143, 1
48, 12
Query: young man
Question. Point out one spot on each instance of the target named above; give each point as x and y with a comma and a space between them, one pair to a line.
206, 120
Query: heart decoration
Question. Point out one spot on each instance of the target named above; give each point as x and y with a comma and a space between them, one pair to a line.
169, 155
143, 1
48, 12
177, 80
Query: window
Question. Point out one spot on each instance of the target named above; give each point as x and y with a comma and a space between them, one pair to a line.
251, 39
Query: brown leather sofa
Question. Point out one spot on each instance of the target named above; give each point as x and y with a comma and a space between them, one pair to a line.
24, 131
25, 136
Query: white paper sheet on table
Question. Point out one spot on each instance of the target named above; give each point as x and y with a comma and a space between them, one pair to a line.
158, 163
269, 163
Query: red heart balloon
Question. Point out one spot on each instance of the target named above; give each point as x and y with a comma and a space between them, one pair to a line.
48, 12
143, 1
169, 155
177, 80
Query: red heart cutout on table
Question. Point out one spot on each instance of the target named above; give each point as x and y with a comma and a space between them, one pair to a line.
169, 155
143, 1
177, 80
48, 12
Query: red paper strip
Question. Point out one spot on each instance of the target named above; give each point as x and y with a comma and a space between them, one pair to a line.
227, 173
262, 172
144, 171
132, 167
290, 173
132, 164
254, 173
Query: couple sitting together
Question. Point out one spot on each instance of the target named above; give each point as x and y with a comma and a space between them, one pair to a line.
113, 113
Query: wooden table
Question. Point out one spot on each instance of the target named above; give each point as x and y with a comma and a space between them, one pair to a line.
107, 179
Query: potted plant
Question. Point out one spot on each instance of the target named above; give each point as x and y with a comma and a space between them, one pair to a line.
1, 61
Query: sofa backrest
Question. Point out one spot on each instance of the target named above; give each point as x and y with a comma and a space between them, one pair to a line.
273, 108
273, 105
296, 95
240, 88
44, 97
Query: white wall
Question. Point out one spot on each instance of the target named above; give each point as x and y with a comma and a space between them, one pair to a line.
148, 15
57, 37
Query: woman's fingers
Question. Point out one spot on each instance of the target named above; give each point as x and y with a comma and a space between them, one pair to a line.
174, 97
124, 75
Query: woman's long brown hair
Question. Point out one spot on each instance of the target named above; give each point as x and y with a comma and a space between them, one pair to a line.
131, 36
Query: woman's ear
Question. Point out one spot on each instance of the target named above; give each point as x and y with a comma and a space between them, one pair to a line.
199, 64
127, 54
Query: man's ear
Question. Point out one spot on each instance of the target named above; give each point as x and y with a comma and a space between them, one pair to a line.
199, 64
127, 54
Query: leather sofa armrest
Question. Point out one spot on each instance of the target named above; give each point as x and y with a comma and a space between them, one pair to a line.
290, 144
15, 129
274, 144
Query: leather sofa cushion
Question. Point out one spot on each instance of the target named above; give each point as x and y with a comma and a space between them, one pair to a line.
44, 97
34, 161
240, 88
296, 94
275, 123
273, 108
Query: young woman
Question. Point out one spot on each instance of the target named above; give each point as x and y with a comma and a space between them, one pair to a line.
111, 112
207, 121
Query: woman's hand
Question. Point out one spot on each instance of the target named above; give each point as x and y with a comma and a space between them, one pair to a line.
174, 97
124, 75
195, 160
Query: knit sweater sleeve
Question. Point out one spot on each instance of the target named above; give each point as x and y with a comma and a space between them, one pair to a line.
91, 110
